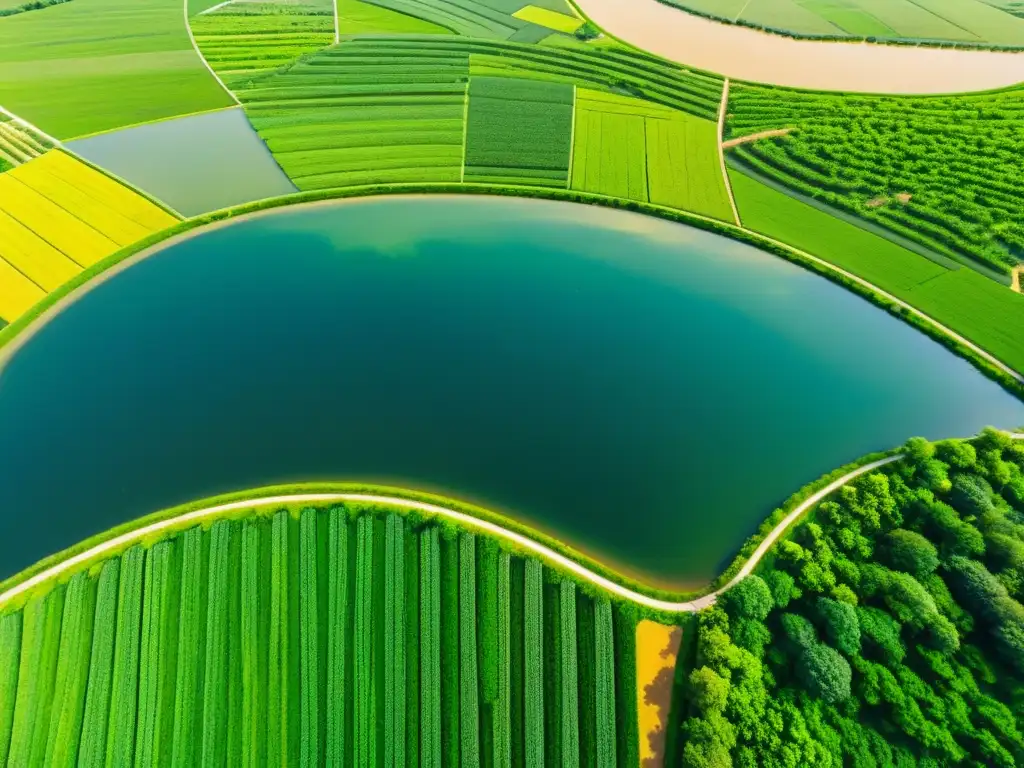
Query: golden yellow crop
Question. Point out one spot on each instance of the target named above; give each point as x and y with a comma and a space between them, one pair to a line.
106, 190
63, 231
34, 257
102, 217
17, 292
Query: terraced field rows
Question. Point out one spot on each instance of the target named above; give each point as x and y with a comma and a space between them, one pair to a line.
317, 636
59, 216
18, 144
493, 19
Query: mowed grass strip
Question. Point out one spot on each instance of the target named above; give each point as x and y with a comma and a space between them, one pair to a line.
92, 749
516, 126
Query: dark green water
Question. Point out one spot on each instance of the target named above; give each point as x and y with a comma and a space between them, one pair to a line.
645, 391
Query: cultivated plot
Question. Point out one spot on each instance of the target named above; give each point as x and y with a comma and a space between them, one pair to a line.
518, 131
944, 172
319, 637
59, 216
629, 148
93, 65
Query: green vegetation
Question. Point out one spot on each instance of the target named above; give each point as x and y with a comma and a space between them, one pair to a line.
625, 147
884, 630
218, 641
989, 23
518, 131
490, 19
945, 172
93, 65
33, 5
978, 308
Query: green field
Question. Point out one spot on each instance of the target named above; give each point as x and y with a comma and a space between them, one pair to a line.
634, 149
980, 309
977, 22
351, 636
93, 65
518, 131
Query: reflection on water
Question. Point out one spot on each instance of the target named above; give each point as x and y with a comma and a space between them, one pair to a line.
643, 390
194, 164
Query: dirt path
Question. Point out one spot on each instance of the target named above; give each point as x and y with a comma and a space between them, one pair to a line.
1016, 278
535, 547
755, 136
722, 108
742, 53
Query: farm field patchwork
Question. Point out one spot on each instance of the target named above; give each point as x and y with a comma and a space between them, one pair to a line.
487, 19
93, 65
59, 216
966, 21
215, 642
876, 157
414, 108
980, 309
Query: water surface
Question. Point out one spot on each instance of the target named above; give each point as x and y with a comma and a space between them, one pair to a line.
742, 53
645, 391
195, 164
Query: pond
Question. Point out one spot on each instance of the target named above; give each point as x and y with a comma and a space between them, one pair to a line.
645, 391
194, 164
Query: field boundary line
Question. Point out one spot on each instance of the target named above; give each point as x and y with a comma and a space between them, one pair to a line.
721, 152
216, 7
199, 53
535, 547
465, 132
572, 136
30, 126
337, 23
144, 123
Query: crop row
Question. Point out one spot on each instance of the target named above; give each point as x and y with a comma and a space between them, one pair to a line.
945, 171
642, 76
314, 637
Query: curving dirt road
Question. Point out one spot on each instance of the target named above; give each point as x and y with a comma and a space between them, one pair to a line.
462, 518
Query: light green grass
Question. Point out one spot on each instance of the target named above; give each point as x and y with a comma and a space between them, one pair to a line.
985, 312
93, 65
550, 19
683, 169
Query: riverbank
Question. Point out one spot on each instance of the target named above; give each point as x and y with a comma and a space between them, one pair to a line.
148, 530
15, 335
741, 53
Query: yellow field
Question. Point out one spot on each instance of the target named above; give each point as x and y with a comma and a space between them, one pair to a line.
59, 216
656, 649
559, 22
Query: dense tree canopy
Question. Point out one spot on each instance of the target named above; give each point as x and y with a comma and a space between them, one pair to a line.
886, 630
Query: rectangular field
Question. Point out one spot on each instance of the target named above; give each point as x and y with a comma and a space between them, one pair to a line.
59, 216
518, 131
